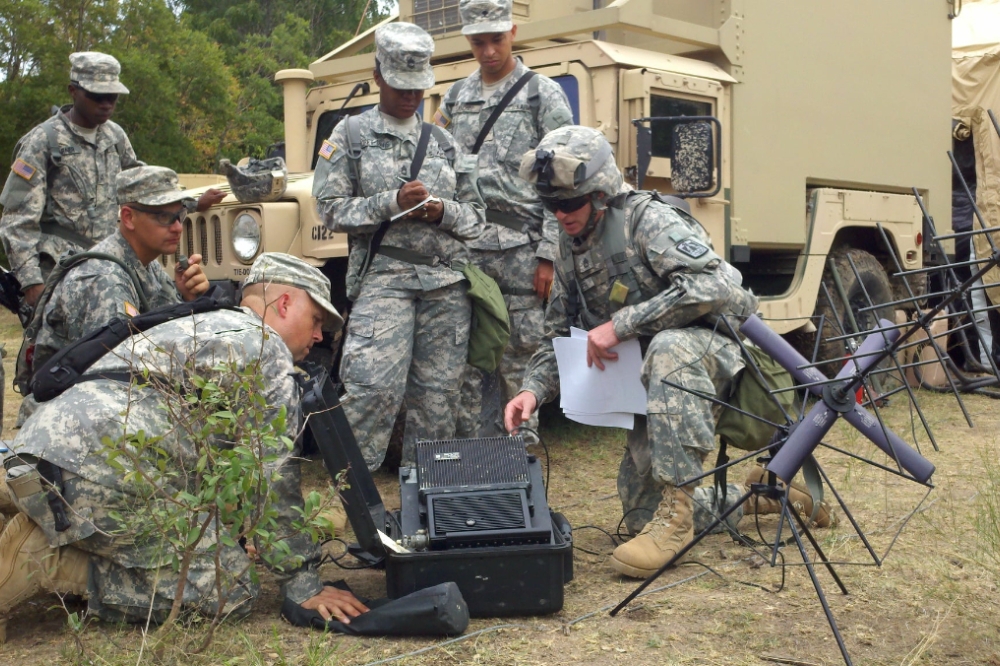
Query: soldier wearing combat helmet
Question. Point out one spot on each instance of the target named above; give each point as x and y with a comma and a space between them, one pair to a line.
518, 244
631, 266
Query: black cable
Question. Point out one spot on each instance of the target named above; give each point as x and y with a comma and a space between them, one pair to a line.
614, 542
330, 559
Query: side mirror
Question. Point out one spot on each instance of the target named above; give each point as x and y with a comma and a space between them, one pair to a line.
693, 161
695, 153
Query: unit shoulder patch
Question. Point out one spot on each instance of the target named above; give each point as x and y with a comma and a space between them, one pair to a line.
691, 248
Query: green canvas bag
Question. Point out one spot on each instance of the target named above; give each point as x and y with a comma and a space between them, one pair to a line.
751, 396
490, 330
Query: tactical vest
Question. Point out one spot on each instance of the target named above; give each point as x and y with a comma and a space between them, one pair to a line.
613, 274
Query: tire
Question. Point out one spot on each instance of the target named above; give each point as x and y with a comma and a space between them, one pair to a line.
870, 279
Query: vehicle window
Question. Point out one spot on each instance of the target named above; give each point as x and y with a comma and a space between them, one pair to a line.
672, 106
571, 87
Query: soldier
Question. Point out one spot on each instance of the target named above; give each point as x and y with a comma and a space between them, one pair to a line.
60, 194
92, 293
519, 243
408, 332
285, 305
630, 266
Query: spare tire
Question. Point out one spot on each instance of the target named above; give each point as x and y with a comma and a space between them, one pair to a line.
870, 282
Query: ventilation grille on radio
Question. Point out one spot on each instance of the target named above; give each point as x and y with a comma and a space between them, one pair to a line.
503, 510
489, 463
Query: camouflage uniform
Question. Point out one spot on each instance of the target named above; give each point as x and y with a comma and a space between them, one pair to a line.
50, 207
407, 336
670, 292
129, 577
508, 255
96, 291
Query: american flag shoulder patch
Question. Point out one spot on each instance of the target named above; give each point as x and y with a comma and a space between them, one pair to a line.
131, 310
327, 150
23, 169
441, 118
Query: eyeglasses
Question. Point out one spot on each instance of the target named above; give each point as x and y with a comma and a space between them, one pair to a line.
565, 205
99, 98
164, 218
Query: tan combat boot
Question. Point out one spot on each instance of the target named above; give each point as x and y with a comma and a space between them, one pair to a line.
28, 565
670, 529
798, 498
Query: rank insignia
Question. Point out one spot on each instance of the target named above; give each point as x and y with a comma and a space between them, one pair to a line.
619, 292
327, 150
22, 169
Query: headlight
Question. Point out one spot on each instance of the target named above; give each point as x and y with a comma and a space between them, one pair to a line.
246, 237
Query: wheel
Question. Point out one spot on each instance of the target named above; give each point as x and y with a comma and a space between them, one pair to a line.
870, 282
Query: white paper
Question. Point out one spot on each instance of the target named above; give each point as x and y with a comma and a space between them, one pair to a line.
592, 391
389, 543
610, 420
417, 207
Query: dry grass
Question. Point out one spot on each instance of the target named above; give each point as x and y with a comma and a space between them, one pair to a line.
934, 601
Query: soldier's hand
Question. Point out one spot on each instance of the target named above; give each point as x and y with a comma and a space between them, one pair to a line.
519, 410
599, 341
32, 293
333, 603
193, 282
432, 212
410, 194
543, 278
209, 198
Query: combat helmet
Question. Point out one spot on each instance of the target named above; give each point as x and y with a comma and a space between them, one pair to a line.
258, 181
571, 162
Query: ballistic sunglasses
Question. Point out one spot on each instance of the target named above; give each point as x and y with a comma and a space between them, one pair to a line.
164, 218
565, 205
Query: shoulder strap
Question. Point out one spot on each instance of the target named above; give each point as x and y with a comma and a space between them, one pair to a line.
444, 142
353, 129
534, 101
499, 108
63, 266
69, 365
55, 150
415, 166
452, 96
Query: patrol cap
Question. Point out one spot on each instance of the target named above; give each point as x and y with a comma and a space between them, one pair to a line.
485, 16
281, 268
150, 186
96, 72
404, 54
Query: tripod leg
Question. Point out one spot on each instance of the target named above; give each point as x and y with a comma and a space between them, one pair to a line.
819, 551
850, 516
819, 590
697, 538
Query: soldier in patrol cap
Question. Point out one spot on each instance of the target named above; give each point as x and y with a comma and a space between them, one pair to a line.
407, 336
60, 194
285, 307
519, 243
630, 266
152, 210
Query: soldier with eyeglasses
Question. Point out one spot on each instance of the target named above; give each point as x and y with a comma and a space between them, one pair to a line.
151, 215
60, 193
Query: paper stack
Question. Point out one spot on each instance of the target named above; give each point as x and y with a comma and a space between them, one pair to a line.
610, 397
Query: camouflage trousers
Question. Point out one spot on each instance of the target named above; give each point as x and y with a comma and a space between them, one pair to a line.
131, 579
404, 347
670, 444
514, 271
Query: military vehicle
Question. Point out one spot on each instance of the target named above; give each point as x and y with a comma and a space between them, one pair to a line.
829, 114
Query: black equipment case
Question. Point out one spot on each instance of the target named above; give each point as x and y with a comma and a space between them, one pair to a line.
474, 512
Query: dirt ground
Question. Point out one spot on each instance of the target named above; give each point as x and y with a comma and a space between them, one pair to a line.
934, 600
